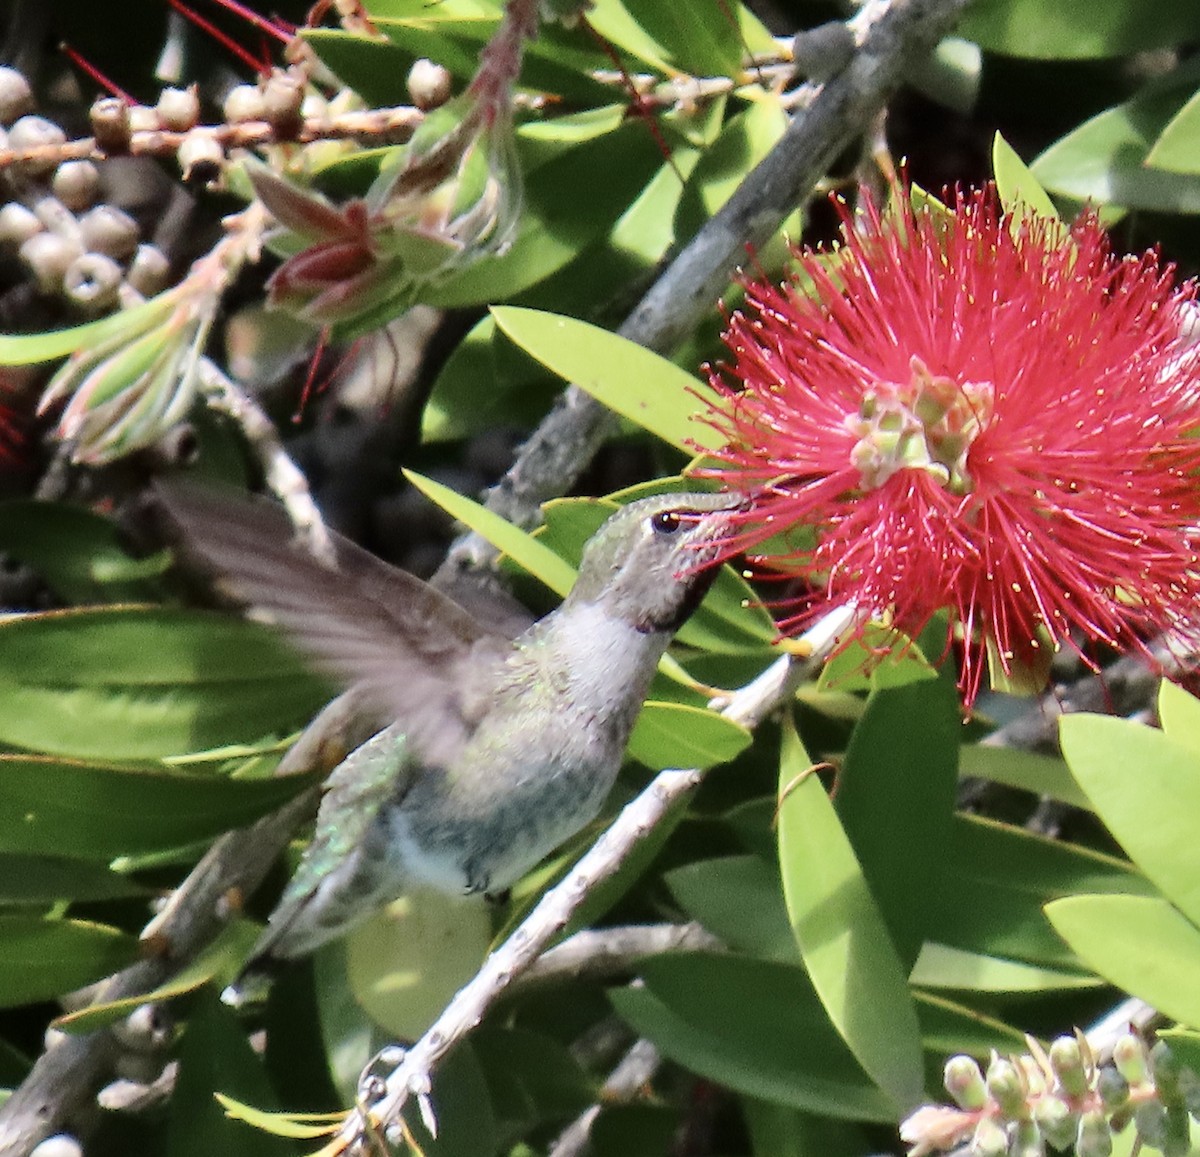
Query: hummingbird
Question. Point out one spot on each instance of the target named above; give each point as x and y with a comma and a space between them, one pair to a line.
501, 747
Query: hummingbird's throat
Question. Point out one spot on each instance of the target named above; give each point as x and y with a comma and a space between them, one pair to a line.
927, 423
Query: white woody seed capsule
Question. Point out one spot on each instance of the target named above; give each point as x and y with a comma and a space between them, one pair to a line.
18, 224
16, 97
92, 282
244, 102
201, 157
109, 230
34, 132
148, 271
60, 1145
48, 256
76, 184
429, 84
178, 109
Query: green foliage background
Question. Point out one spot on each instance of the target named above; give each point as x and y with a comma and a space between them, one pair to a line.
871, 933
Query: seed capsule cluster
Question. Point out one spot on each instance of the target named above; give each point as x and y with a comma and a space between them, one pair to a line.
1061, 1099
73, 244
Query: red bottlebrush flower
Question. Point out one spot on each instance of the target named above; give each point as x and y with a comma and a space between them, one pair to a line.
971, 411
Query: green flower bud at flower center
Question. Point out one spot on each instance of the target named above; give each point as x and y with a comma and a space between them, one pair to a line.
927, 423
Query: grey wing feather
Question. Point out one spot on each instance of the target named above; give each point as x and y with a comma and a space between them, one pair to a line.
420, 657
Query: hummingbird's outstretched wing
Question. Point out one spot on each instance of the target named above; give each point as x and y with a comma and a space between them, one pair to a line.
422, 659
342, 873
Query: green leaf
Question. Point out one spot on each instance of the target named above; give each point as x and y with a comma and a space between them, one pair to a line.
1027, 770
1077, 29
26, 879
1104, 160
299, 1126
677, 735
221, 961
565, 210
531, 1076
744, 140
41, 959
842, 936
405, 964
995, 879
215, 1057
950, 1027
77, 552
940, 966
895, 798
1016, 184
1179, 715
753, 1026
1185, 1044
27, 349
738, 899
701, 36
525, 550
96, 812
1146, 788
1179, 143
1139, 943
633, 381
129, 683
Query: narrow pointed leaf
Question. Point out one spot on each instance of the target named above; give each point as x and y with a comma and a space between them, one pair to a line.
842, 936
636, 383
41, 959
1140, 943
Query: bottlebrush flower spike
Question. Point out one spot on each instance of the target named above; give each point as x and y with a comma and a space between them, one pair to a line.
971, 411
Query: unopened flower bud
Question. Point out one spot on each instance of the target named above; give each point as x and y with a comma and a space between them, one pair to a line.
48, 255
1094, 1137
92, 282
1166, 1069
60, 1145
244, 102
1131, 1059
201, 157
1112, 1088
76, 184
109, 230
1178, 1142
110, 124
429, 84
34, 132
18, 224
964, 1082
1027, 1141
149, 270
1150, 1119
16, 97
1056, 1119
178, 109
282, 97
1006, 1088
1067, 1062
989, 1139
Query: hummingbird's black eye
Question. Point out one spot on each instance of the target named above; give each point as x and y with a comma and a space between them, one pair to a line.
665, 522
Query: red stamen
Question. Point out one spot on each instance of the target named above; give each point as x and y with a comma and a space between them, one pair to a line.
220, 37
251, 17
93, 73
311, 376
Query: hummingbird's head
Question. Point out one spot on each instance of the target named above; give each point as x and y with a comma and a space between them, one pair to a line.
652, 562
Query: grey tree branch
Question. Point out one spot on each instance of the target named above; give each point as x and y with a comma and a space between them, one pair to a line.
71, 1071
889, 34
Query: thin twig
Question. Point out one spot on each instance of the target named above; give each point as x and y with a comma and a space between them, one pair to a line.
625, 1083
283, 477
411, 1077
890, 35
